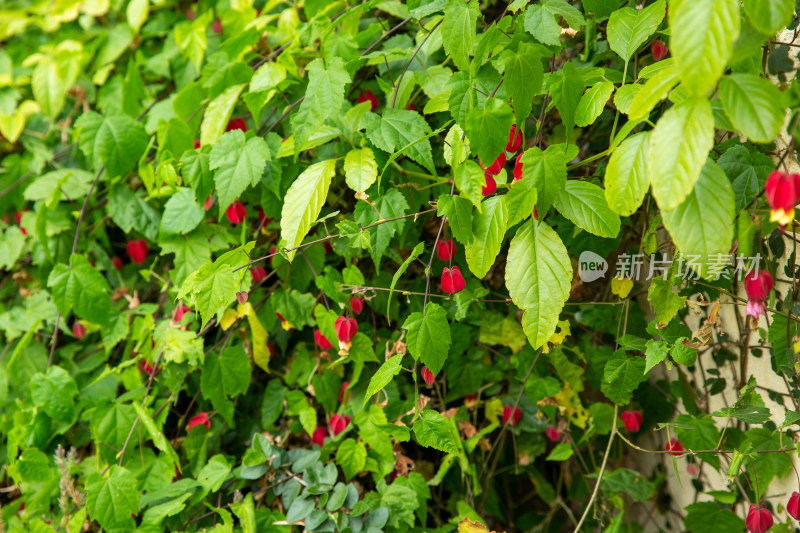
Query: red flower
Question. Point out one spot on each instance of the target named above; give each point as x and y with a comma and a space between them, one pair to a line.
514, 140
181, 310
79, 330
495, 168
691, 469
518, 168
445, 250
342, 392
552, 434
368, 96
346, 329
117, 262
782, 190
144, 367
196, 144
138, 251
793, 507
632, 420
242, 296
322, 341
757, 286
217, 26
452, 280
427, 375
759, 519
263, 219
18, 216
659, 50
319, 435
237, 123
356, 304
490, 187
338, 423
674, 447
236, 212
199, 420
258, 273
511, 415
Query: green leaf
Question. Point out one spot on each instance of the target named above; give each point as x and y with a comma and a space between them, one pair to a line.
699, 433
456, 148
159, 440
703, 33
55, 74
237, 164
679, 146
112, 500
488, 129
352, 457
748, 171
666, 303
769, 16
80, 288
585, 205
655, 352
383, 376
74, 183
433, 430
218, 113
401, 129
702, 225
522, 78
129, 211
622, 376
360, 169
521, 199
416, 252
710, 517
429, 336
229, 372
12, 244
191, 38
458, 31
488, 229
592, 103
541, 20
753, 104
115, 142
566, 90
181, 213
626, 175
470, 179
538, 277
629, 482
561, 452
324, 97
652, 92
304, 201
55, 393
549, 172
214, 287
628, 28
459, 215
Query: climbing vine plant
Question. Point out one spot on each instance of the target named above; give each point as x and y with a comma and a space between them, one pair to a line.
432, 265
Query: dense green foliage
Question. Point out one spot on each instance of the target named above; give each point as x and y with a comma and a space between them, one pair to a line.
259, 272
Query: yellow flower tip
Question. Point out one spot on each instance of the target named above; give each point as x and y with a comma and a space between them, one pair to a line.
781, 216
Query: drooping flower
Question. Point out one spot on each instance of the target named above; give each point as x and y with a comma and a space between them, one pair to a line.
236, 212
322, 341
511, 415
369, 96
674, 447
117, 262
285, 324
490, 187
236, 123
553, 434
258, 273
793, 507
514, 140
216, 26
782, 190
518, 168
208, 203
263, 219
452, 280
79, 330
181, 310
199, 420
632, 420
196, 144
356, 304
319, 435
427, 376
338, 423
757, 286
346, 329
144, 367
138, 251
445, 250
659, 50
343, 392
495, 168
759, 519
241, 297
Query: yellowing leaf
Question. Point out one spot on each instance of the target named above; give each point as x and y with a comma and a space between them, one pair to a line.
621, 286
468, 526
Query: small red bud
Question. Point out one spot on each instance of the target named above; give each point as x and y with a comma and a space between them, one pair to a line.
236, 213
511, 415
659, 50
452, 280
258, 274
632, 420
338, 423
369, 96
322, 341
553, 434
138, 251
117, 262
242, 296
445, 250
427, 376
79, 330
356, 304
199, 420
